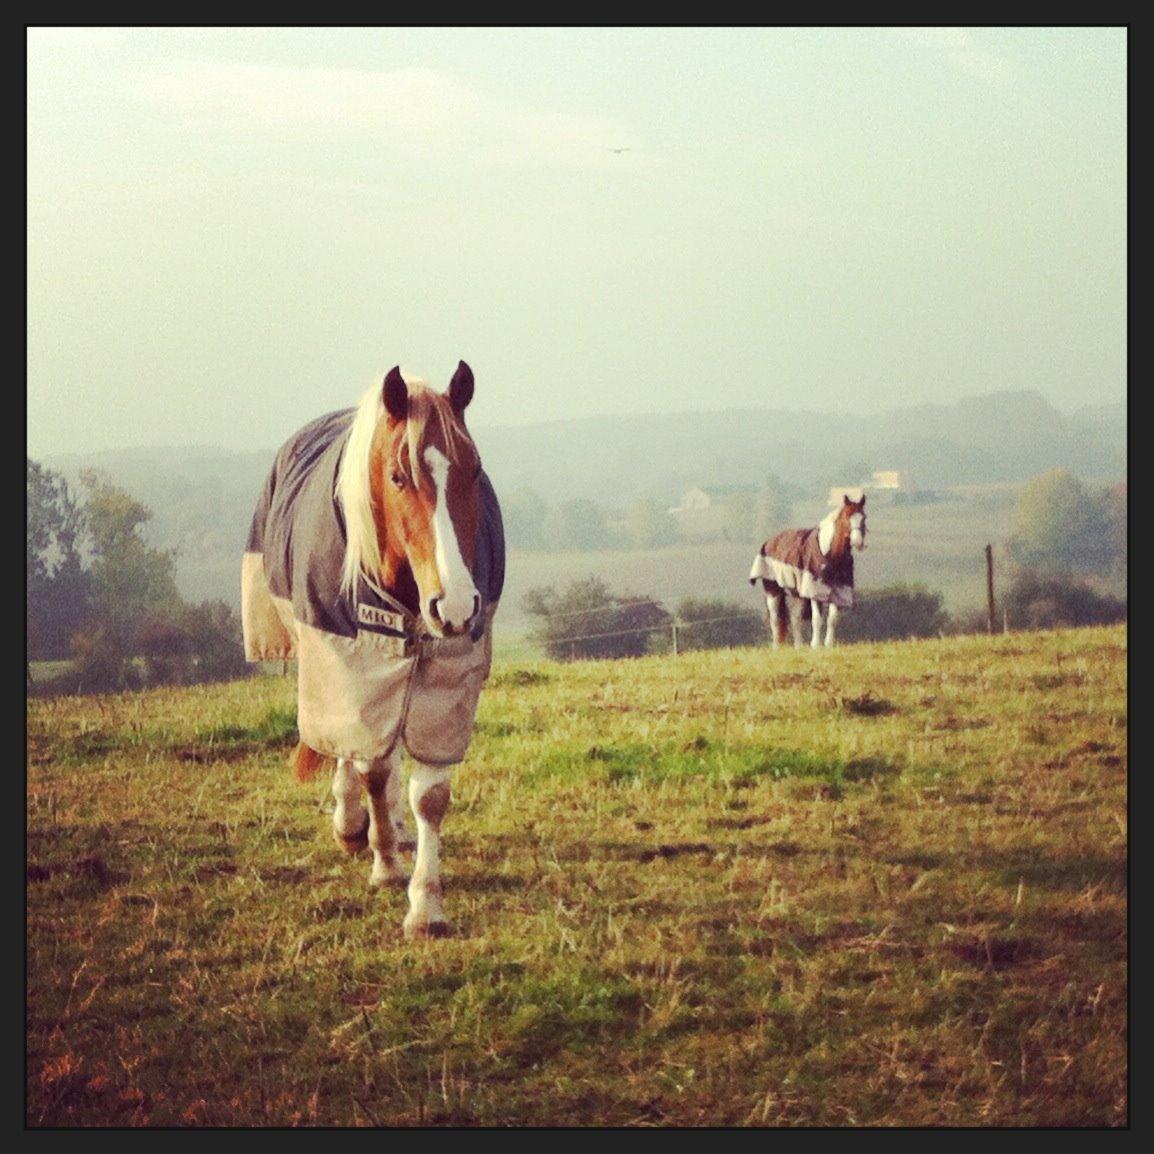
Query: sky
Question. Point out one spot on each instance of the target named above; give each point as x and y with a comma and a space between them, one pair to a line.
231, 231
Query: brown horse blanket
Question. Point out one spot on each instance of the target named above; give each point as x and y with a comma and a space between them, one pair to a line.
793, 561
369, 674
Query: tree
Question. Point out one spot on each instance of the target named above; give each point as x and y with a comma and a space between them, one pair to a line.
59, 591
132, 581
648, 525
576, 526
588, 621
716, 624
1117, 520
523, 512
1061, 524
122, 618
757, 514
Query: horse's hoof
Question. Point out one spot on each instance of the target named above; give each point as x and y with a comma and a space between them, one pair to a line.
423, 931
398, 880
353, 843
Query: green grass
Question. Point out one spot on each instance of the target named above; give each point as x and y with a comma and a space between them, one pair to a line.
883, 885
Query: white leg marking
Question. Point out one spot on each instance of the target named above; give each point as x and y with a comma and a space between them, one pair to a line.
830, 624
459, 594
379, 778
815, 624
429, 796
398, 811
349, 816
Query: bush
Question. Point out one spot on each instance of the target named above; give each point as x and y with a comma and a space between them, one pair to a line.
198, 643
1051, 600
588, 621
102, 661
718, 625
895, 611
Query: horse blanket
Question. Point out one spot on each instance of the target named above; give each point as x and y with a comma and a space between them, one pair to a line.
793, 561
369, 674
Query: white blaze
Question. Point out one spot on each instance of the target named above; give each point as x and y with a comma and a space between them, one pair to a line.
459, 596
856, 534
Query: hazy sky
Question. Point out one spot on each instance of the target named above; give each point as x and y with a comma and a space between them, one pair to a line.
231, 231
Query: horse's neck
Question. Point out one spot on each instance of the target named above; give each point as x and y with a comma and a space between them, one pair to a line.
838, 538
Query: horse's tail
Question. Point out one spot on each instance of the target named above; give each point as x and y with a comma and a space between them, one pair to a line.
306, 762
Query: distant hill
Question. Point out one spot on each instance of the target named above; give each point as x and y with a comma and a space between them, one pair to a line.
1002, 437
202, 498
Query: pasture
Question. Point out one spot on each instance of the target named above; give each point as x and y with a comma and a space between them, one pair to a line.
880, 885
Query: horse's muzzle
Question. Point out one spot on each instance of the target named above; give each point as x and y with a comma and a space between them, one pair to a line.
438, 616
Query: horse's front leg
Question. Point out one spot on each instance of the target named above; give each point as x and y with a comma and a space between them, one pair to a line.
831, 620
382, 779
429, 795
350, 820
815, 624
773, 602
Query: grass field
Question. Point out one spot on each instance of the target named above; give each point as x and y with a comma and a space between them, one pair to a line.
883, 885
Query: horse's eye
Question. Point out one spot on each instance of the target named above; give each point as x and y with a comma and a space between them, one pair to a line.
398, 479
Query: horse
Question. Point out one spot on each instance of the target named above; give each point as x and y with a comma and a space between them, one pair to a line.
810, 571
376, 559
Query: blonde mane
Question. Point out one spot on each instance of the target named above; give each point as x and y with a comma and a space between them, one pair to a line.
826, 529
354, 484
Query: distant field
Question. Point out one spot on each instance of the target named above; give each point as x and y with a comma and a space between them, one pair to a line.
940, 545
883, 885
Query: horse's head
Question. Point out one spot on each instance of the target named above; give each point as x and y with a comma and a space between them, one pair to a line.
425, 481
852, 516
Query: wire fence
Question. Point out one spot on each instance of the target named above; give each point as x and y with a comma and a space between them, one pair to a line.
675, 627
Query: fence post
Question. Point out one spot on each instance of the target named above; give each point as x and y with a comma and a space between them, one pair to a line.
674, 638
990, 586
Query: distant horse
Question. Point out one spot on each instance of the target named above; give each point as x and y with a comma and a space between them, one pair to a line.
376, 557
810, 571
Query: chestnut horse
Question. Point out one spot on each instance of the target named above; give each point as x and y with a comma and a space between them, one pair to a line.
376, 559
810, 573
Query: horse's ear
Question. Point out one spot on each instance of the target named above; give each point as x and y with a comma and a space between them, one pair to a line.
845, 499
461, 388
861, 503
395, 394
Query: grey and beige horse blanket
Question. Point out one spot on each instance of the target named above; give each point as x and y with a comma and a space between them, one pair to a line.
793, 561
369, 674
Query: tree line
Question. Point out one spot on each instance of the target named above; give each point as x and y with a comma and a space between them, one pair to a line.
101, 598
